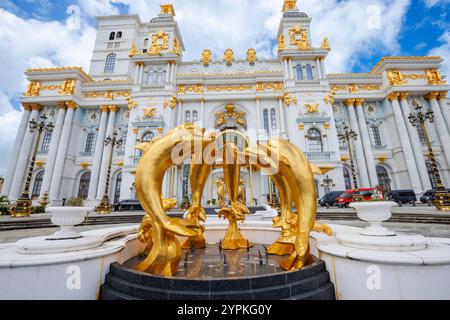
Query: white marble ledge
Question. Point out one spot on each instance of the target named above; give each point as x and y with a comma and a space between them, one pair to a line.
10, 258
436, 254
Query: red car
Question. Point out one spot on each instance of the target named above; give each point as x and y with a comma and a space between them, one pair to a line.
344, 200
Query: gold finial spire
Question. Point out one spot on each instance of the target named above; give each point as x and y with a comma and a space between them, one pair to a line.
289, 5
167, 9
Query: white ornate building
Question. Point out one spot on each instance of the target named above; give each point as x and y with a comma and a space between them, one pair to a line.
140, 86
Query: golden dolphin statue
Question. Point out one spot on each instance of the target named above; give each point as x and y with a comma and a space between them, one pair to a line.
165, 252
295, 181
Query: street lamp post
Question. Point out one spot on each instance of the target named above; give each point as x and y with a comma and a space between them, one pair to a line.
105, 206
442, 198
346, 135
23, 206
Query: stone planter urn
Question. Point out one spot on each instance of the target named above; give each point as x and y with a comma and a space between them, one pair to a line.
66, 218
375, 212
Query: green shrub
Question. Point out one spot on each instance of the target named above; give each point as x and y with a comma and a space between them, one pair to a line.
75, 202
39, 209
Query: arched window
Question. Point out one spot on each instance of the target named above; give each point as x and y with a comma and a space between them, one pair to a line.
151, 77
375, 136
432, 176
187, 117
110, 64
119, 35
117, 188
383, 178
124, 144
46, 141
314, 141
347, 178
89, 147
266, 120
37, 184
194, 116
299, 71
309, 73
160, 75
83, 189
273, 119
112, 36
148, 137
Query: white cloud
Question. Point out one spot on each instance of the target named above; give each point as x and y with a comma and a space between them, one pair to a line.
432, 3
10, 120
443, 51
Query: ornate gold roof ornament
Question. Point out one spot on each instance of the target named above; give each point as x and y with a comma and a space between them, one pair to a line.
325, 44
167, 9
149, 113
288, 100
434, 77
33, 89
160, 42
206, 56
353, 88
133, 51
228, 56
131, 103
67, 88
251, 55
299, 38
396, 78
282, 43
289, 5
176, 47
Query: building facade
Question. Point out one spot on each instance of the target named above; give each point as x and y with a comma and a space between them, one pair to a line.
140, 87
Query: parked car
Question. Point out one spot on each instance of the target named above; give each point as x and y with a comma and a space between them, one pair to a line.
402, 196
429, 196
344, 200
128, 205
329, 199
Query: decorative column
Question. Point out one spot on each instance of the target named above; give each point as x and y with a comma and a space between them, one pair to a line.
107, 149
440, 124
98, 153
415, 143
54, 145
180, 113
408, 154
365, 139
137, 69
444, 108
291, 70
22, 161
319, 68
62, 152
13, 161
166, 80
282, 118
360, 159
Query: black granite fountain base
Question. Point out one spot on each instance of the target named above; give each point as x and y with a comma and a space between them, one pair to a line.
213, 274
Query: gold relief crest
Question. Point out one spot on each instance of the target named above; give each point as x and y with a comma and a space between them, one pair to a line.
176, 47
33, 89
160, 42
282, 43
434, 77
312, 108
149, 113
133, 51
67, 88
396, 78
299, 38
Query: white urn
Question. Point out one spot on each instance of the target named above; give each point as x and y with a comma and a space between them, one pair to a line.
375, 212
66, 218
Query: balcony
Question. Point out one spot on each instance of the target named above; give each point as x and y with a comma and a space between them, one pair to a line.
319, 156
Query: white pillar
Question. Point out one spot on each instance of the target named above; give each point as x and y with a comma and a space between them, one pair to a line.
283, 119
319, 68
415, 143
408, 154
322, 64
166, 80
370, 161
106, 152
180, 114
202, 113
137, 69
258, 117
98, 153
62, 152
54, 146
445, 108
360, 159
16, 149
173, 72
440, 125
286, 69
22, 162
291, 70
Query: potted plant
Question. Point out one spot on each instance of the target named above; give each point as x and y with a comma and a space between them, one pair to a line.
74, 213
4, 205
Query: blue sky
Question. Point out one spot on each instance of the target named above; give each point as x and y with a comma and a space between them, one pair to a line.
44, 33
